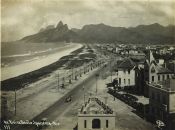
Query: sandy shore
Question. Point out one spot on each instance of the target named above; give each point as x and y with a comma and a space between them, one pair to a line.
16, 70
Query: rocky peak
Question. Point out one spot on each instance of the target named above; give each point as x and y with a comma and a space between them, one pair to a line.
60, 24
66, 27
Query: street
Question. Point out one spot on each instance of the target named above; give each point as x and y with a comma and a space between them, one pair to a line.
65, 113
60, 106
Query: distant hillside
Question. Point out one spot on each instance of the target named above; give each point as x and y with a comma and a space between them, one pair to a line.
153, 33
52, 34
102, 33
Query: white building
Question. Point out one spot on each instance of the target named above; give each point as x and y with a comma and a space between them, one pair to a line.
96, 115
155, 71
159, 73
126, 73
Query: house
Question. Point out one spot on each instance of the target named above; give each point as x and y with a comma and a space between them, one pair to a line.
126, 73
162, 102
171, 65
129, 74
139, 55
95, 114
154, 72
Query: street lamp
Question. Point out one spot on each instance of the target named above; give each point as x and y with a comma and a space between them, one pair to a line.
15, 102
97, 75
58, 80
72, 74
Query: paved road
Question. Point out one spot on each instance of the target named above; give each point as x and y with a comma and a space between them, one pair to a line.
60, 106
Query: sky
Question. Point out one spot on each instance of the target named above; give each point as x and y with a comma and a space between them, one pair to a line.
20, 18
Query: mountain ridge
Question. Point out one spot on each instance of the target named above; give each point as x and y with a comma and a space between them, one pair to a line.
101, 33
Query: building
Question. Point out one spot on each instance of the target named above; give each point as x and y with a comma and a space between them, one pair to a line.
126, 73
171, 65
159, 73
154, 72
129, 74
96, 115
162, 102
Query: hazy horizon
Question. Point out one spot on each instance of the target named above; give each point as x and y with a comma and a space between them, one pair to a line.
25, 17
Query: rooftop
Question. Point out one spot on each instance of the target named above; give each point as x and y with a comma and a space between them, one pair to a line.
126, 64
162, 70
95, 106
167, 85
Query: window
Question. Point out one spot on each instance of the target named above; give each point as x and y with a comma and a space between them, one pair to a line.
124, 71
84, 123
168, 76
119, 80
107, 123
163, 78
128, 71
124, 81
158, 77
153, 70
128, 81
152, 78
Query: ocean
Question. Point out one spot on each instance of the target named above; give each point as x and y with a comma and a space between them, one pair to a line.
21, 58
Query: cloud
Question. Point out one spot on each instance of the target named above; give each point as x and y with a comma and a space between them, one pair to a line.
25, 17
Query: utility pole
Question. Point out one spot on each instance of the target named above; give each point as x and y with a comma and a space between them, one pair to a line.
111, 69
84, 69
84, 93
76, 75
80, 72
63, 81
72, 74
96, 81
15, 102
106, 98
58, 80
84, 98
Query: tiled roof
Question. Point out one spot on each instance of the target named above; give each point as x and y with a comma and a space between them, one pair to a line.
138, 59
127, 64
162, 70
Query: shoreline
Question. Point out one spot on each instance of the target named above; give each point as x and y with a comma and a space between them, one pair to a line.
27, 67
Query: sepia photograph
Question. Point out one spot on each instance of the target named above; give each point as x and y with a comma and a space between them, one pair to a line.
87, 65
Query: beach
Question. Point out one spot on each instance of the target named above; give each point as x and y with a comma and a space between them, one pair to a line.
26, 67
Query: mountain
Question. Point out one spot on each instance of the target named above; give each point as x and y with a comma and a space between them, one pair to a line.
52, 34
75, 29
153, 33
101, 33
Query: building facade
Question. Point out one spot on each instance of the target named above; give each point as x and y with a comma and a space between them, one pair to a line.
129, 74
154, 72
125, 73
162, 102
96, 115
